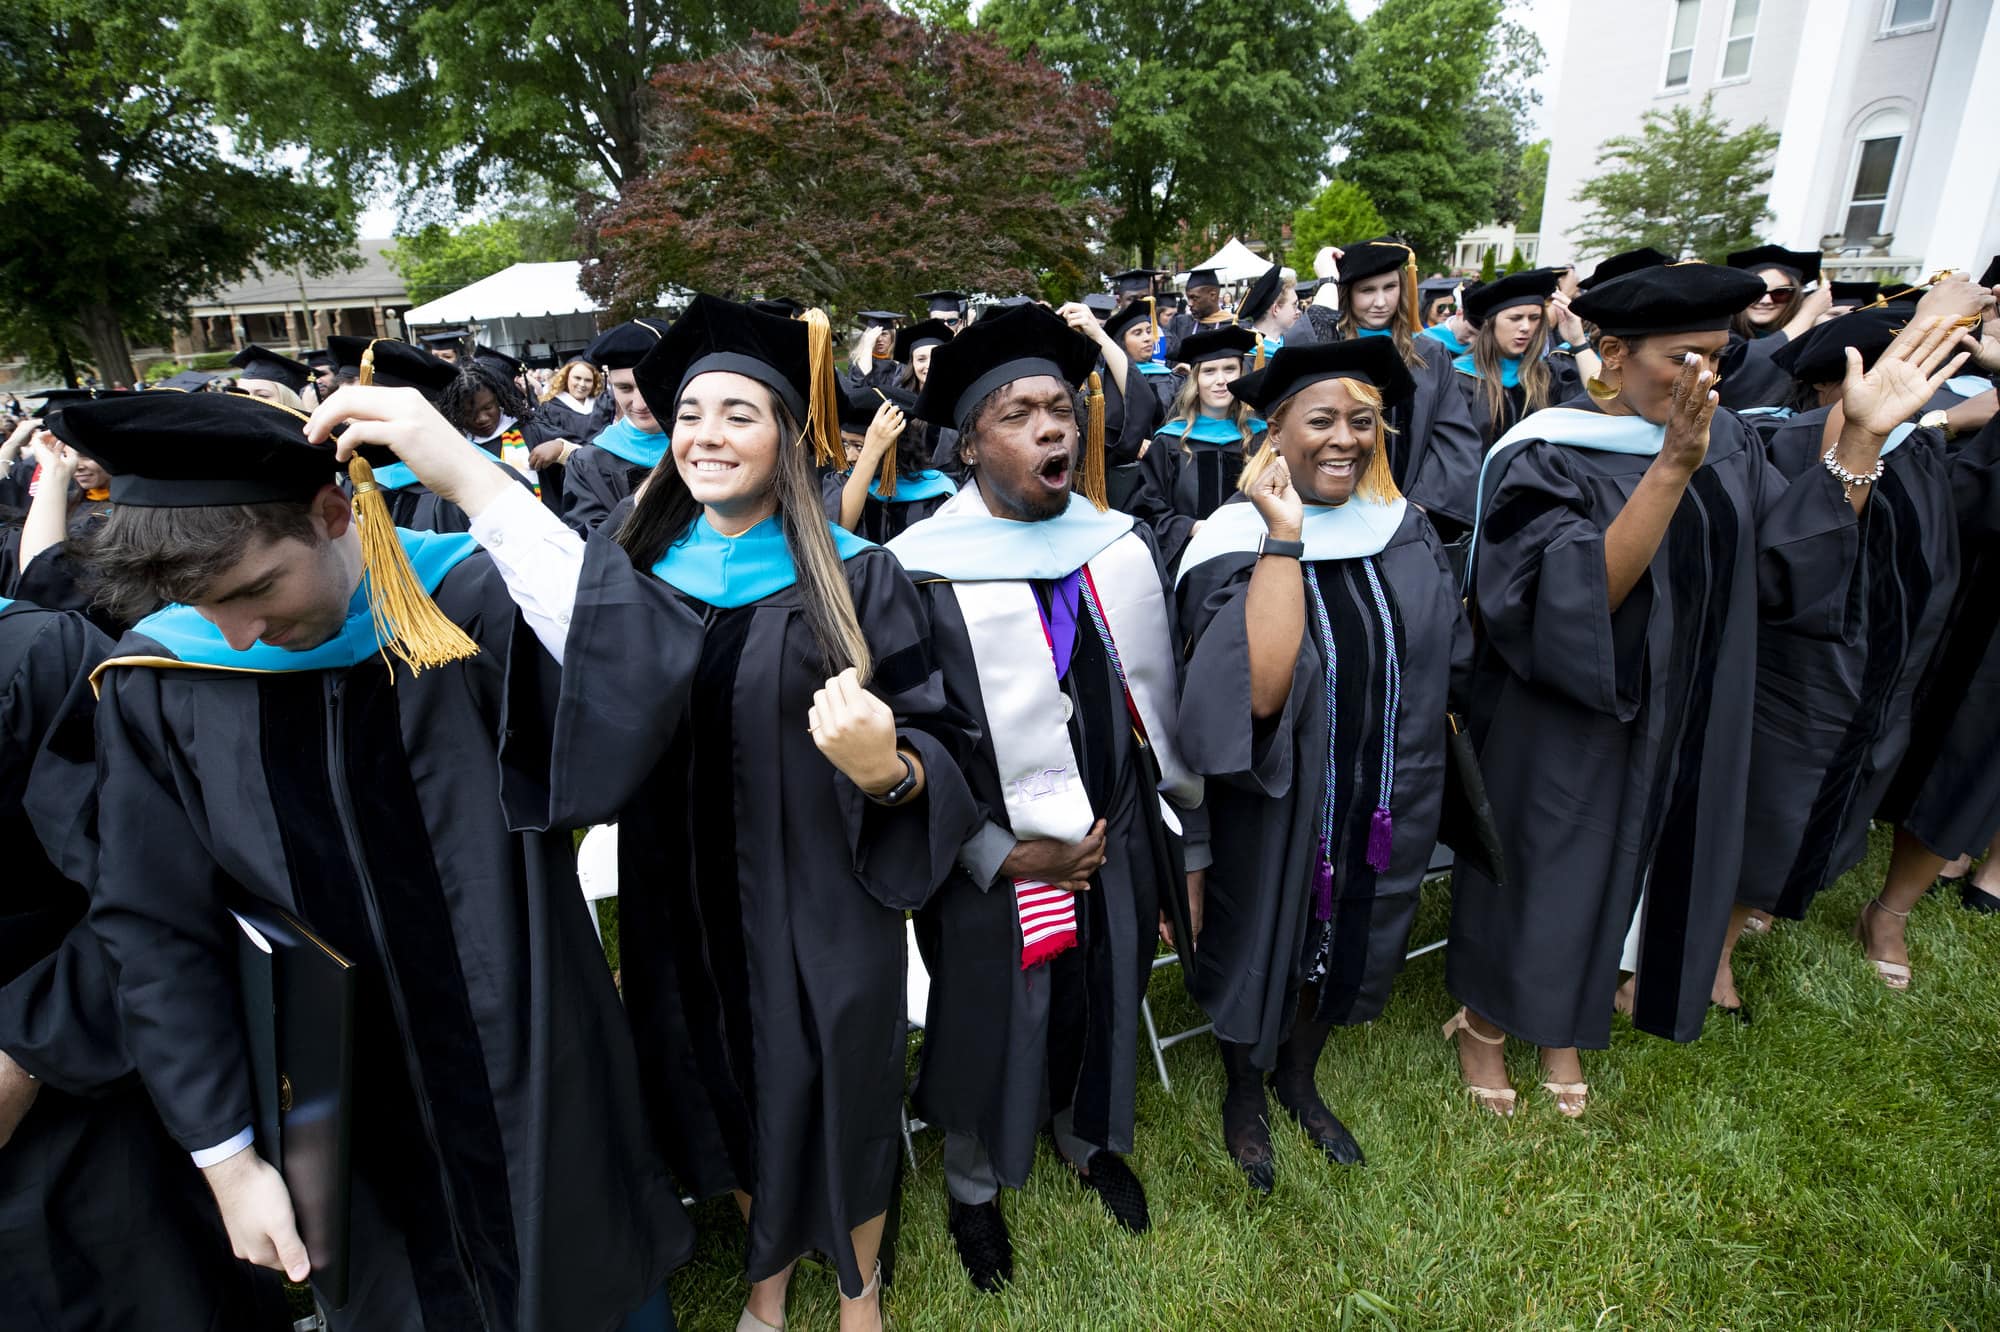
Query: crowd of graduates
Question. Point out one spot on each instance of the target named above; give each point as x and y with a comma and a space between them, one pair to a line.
1202, 618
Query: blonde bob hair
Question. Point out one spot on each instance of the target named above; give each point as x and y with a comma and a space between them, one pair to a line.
1376, 484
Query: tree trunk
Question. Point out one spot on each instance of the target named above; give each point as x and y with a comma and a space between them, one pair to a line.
105, 333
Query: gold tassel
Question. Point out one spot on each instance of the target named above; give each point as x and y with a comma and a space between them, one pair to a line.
1091, 479
1253, 469
1412, 311
407, 621
1258, 362
822, 423
366, 375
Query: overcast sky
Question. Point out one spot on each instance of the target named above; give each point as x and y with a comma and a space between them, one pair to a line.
1548, 18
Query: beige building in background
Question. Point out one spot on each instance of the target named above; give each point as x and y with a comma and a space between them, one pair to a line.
1888, 156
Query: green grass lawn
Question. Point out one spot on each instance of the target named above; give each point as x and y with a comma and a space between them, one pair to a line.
1832, 1166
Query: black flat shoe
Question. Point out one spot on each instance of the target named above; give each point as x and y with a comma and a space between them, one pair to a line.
1741, 1012
980, 1233
1974, 898
1119, 1190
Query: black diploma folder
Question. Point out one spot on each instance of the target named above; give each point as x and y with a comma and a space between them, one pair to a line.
298, 1010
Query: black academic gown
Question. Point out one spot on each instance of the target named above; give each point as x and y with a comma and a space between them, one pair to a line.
880, 519
504, 1177
882, 372
1749, 377
561, 421
593, 482
1563, 385
1132, 416
1833, 715
1195, 478
417, 508
761, 894
1267, 783
1004, 1049
1435, 447
1616, 745
1947, 792
104, 1221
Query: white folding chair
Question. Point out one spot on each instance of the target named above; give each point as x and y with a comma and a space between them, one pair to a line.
916, 1003
597, 869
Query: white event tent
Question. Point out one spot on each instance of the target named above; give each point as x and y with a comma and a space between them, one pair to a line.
526, 310
1234, 262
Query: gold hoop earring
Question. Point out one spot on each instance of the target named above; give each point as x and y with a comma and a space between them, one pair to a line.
1600, 391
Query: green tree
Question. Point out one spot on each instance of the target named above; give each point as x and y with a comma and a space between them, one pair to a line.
472, 96
436, 260
1488, 267
1683, 184
1337, 215
1534, 184
1223, 110
122, 207
1425, 138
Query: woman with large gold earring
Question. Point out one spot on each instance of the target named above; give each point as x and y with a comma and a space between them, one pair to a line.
1624, 556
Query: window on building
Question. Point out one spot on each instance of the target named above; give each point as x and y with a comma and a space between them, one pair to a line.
1737, 41
1907, 15
1877, 148
1680, 42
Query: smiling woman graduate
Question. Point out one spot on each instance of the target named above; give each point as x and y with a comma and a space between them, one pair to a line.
774, 823
1323, 630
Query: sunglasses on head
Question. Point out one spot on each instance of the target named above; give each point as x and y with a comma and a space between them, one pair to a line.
1780, 295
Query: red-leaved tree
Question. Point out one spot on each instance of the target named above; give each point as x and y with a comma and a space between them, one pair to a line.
862, 159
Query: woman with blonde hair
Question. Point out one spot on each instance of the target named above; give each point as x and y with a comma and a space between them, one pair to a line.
1507, 372
272, 377
1197, 456
1434, 449
1324, 628
570, 408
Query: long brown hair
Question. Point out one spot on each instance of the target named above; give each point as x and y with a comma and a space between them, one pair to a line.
1187, 407
1378, 480
668, 510
1404, 322
1535, 379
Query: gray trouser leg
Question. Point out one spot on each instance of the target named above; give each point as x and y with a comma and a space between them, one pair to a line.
968, 1170
1074, 1149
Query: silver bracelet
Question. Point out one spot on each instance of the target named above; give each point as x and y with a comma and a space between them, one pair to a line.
1849, 480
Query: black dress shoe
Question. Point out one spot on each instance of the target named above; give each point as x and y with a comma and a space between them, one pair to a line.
980, 1233
1310, 1113
1119, 1190
1974, 898
1741, 1012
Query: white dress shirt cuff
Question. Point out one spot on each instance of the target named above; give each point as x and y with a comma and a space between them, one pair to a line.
222, 1151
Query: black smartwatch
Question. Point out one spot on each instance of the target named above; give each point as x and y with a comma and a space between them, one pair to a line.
900, 792
1291, 550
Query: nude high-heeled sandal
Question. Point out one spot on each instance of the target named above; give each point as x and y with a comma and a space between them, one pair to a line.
1499, 1100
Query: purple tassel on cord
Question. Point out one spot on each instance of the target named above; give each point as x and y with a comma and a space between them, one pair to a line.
1323, 887
1381, 837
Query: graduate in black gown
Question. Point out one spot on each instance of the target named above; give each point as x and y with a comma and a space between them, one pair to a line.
1434, 446
872, 361
1628, 552
887, 483
260, 740
573, 409
1832, 717
1323, 626
1945, 799
393, 364
1786, 310
1130, 384
1203, 312
776, 819
938, 445
1507, 372
104, 1222
1199, 450
1054, 634
609, 468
